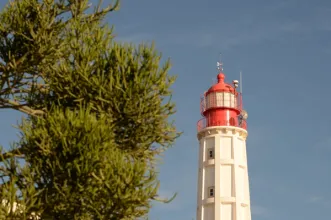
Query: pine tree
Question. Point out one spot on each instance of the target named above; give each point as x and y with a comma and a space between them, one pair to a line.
96, 114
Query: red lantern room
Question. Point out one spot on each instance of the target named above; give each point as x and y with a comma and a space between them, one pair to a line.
221, 105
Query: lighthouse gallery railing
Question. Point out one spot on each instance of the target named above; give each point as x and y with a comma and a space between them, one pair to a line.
204, 123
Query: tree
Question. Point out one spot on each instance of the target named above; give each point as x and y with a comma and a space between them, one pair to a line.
96, 114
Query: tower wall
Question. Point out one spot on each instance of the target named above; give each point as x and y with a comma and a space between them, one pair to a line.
223, 186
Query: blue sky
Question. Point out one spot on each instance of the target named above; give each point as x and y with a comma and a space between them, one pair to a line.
284, 50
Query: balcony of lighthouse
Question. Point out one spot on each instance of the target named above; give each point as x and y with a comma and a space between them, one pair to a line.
236, 122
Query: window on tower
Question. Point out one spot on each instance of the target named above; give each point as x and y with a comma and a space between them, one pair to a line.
210, 153
211, 192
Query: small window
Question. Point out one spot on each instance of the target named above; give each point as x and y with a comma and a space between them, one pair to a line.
211, 153
211, 192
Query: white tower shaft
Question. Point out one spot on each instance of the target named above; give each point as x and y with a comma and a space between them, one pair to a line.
223, 185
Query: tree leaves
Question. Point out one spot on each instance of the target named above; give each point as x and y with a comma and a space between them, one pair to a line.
86, 165
97, 114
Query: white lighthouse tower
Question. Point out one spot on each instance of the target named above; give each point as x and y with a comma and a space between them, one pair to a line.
223, 185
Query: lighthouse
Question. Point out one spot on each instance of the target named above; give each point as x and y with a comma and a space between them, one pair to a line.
223, 183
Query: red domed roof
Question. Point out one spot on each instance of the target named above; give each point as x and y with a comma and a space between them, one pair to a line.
221, 86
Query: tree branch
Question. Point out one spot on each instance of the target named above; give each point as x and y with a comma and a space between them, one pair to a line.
25, 109
13, 153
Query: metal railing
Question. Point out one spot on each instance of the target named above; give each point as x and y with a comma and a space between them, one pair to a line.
204, 123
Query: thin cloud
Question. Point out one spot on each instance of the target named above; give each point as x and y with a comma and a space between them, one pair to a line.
315, 199
135, 38
323, 144
232, 38
250, 31
258, 210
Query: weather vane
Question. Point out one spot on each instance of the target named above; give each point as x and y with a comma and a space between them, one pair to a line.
220, 65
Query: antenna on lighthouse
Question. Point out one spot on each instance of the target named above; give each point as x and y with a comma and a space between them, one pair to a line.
241, 83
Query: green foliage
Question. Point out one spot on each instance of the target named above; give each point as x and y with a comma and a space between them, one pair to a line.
81, 171
97, 114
